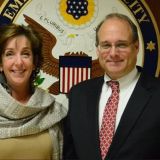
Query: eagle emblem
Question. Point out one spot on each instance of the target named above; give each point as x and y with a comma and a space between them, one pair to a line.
51, 64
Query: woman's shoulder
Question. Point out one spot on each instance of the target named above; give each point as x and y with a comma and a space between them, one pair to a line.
60, 101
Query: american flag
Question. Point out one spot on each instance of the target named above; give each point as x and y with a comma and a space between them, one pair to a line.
73, 69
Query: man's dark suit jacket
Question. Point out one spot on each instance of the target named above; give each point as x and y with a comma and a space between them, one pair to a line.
138, 134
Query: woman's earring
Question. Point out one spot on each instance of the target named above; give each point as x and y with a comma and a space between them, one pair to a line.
2, 79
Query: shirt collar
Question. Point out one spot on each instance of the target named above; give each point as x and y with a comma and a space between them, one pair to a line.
127, 79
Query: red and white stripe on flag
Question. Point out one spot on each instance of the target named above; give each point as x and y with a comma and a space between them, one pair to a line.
72, 71
71, 76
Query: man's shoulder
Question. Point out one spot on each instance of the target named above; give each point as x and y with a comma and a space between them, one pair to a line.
149, 81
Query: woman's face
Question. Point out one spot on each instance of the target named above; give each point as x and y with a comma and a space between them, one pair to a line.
17, 61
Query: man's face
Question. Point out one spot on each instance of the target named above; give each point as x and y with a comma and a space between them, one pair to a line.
116, 51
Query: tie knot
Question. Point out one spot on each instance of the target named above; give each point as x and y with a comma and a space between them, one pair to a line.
114, 85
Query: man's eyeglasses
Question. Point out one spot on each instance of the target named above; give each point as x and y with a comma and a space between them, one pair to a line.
119, 46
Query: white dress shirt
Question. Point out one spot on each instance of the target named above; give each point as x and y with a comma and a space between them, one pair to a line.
127, 85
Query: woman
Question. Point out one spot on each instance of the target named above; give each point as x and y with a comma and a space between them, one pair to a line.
29, 116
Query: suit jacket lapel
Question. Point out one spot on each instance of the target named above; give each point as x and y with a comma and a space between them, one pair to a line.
92, 113
132, 112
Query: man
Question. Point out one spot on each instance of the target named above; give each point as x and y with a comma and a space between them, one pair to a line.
137, 116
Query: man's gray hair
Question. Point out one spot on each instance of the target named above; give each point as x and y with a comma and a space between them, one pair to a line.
121, 17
